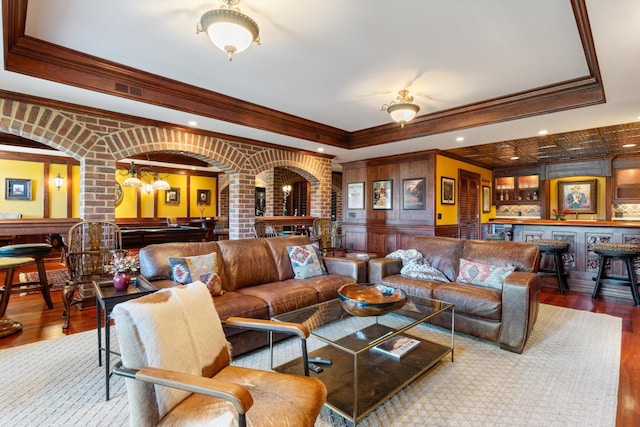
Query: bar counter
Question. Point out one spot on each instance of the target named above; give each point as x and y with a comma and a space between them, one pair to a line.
567, 222
580, 261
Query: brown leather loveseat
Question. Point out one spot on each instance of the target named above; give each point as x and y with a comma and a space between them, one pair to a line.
257, 278
504, 314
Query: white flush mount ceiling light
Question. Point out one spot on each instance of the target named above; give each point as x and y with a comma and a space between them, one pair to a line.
229, 29
402, 110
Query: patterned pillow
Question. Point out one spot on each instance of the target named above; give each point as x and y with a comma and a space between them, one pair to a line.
197, 268
477, 273
214, 284
304, 261
316, 247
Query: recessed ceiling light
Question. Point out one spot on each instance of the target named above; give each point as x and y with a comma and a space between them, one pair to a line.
192, 123
543, 132
629, 145
460, 138
321, 150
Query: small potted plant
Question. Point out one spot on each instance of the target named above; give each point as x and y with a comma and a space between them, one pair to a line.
560, 214
123, 266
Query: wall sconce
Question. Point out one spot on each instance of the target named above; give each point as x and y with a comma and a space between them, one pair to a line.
286, 189
58, 181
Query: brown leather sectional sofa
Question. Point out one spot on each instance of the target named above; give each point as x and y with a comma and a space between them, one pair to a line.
505, 316
257, 278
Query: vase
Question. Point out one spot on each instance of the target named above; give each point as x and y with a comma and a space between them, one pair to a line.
121, 281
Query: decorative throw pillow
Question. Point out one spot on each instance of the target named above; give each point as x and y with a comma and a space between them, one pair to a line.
316, 247
423, 271
197, 268
482, 274
304, 261
214, 284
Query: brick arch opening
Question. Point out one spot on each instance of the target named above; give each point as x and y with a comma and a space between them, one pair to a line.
98, 139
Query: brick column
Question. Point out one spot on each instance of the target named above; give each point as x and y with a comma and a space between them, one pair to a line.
242, 200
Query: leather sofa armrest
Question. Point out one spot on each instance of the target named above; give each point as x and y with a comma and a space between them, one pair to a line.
354, 268
379, 268
520, 303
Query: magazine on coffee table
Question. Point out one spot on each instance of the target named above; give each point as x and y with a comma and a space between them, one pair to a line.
397, 346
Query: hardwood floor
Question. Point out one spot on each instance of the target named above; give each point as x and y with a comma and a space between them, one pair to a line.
40, 323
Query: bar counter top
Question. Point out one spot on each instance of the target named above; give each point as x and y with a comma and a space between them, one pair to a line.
567, 222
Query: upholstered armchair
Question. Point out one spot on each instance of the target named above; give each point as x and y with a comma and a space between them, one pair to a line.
176, 361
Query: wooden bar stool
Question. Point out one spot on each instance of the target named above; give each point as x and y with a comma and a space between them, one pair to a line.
621, 251
554, 248
10, 264
35, 252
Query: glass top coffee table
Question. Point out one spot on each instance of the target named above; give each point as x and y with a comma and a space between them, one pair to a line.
360, 378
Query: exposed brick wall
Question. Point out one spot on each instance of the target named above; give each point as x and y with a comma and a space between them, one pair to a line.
98, 141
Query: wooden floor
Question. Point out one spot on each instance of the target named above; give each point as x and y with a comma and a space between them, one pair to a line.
40, 323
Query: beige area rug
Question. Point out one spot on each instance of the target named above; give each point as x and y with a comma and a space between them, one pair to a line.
56, 278
567, 376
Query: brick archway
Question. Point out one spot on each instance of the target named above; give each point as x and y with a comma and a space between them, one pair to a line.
97, 141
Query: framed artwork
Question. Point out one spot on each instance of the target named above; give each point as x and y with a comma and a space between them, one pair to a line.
18, 189
172, 196
486, 198
382, 194
355, 195
413, 193
204, 197
447, 191
578, 196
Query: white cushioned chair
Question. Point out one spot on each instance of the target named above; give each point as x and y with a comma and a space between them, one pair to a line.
177, 363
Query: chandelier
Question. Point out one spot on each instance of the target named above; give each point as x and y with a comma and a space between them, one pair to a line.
403, 110
145, 177
229, 29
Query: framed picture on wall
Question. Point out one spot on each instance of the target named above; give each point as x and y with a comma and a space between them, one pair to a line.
355, 195
413, 193
204, 197
447, 191
18, 189
578, 196
486, 198
382, 197
172, 196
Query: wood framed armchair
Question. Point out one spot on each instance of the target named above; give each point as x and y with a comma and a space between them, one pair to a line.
326, 233
90, 249
177, 365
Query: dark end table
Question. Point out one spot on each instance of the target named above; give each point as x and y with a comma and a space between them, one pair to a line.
108, 297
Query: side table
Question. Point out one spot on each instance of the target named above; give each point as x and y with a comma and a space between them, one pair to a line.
108, 297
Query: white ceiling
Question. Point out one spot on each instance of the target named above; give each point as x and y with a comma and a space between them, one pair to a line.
337, 61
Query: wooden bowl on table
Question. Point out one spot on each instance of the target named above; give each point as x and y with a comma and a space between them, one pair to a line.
366, 299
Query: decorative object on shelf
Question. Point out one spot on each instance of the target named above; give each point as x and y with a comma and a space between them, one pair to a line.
560, 214
172, 196
355, 195
201, 208
578, 196
17, 189
413, 193
402, 111
370, 300
448, 191
229, 29
382, 194
122, 266
58, 181
286, 190
146, 177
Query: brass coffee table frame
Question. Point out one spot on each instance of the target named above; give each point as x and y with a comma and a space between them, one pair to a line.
361, 379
